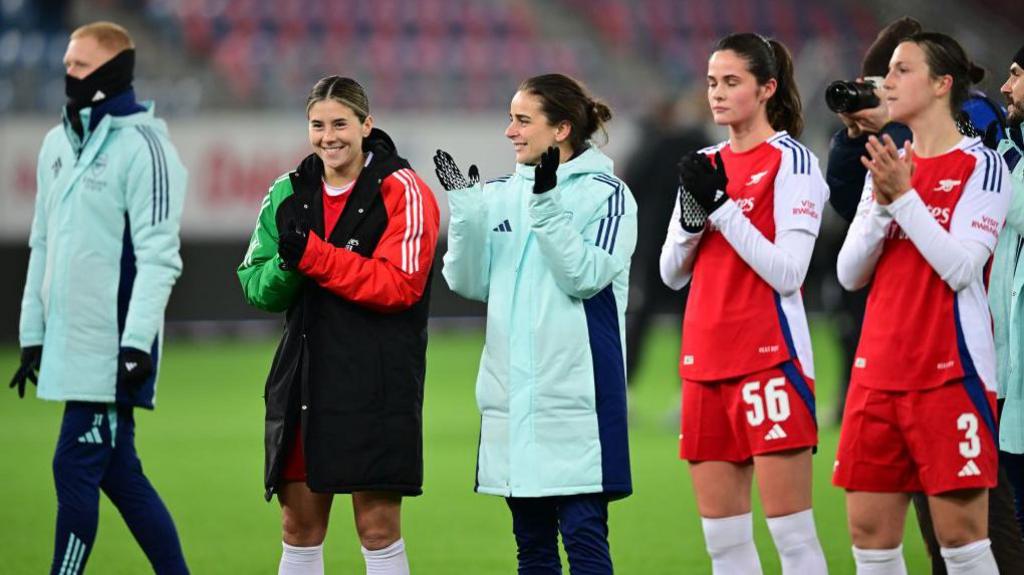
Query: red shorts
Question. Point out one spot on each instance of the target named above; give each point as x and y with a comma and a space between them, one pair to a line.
934, 440
295, 460
738, 418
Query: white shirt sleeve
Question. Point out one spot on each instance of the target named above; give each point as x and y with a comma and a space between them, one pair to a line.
863, 244
958, 256
982, 209
783, 264
678, 253
800, 192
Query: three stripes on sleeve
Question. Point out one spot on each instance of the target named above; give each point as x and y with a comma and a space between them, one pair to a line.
161, 203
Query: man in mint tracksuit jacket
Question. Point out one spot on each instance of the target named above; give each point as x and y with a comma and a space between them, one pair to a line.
1006, 294
553, 268
104, 240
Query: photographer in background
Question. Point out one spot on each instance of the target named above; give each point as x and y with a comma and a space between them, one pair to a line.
864, 113
845, 174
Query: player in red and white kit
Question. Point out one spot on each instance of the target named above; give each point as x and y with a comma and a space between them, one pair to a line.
920, 411
742, 235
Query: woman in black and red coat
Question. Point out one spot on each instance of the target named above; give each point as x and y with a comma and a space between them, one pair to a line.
344, 245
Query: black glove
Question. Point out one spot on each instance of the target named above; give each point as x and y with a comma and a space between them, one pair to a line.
134, 366
31, 357
291, 210
705, 182
450, 175
544, 178
291, 217
291, 244
691, 215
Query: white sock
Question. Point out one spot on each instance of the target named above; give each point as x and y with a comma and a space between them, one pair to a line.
971, 559
730, 543
880, 561
797, 543
301, 560
390, 560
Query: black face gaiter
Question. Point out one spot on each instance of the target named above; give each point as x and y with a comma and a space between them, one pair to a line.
110, 79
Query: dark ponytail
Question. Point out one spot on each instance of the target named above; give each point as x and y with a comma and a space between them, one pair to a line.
785, 112
767, 59
564, 99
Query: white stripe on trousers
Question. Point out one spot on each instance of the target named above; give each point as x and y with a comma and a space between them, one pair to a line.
73, 556
76, 563
67, 553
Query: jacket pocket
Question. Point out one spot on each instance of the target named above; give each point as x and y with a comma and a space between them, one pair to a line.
569, 451
493, 453
564, 383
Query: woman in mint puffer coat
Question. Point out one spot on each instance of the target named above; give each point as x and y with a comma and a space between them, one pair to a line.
548, 248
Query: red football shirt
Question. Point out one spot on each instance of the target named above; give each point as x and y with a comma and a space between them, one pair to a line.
735, 322
918, 333
334, 203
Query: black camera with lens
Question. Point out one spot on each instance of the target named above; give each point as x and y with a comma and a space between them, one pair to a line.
845, 97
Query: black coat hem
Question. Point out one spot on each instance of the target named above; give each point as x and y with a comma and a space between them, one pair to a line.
401, 488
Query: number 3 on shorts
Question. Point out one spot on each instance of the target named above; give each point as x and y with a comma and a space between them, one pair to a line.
775, 401
968, 423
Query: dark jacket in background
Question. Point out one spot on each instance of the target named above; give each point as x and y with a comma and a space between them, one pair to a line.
845, 174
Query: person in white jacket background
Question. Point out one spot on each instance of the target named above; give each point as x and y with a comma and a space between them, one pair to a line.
548, 248
742, 234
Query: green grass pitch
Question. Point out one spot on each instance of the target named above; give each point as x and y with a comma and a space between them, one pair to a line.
202, 448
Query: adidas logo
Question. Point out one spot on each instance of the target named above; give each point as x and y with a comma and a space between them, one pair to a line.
99, 95
91, 436
970, 469
776, 432
131, 365
503, 227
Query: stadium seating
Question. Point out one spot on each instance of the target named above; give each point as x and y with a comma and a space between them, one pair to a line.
426, 54
678, 36
410, 54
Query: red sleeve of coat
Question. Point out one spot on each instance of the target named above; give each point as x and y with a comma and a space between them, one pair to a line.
394, 277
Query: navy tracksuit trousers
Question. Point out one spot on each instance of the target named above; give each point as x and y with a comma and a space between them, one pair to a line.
96, 450
581, 519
